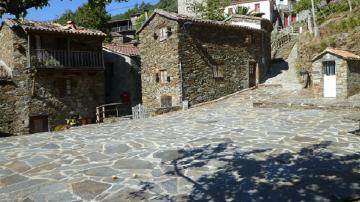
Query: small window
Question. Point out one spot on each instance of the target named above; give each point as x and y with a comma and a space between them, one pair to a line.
257, 8
64, 86
248, 39
68, 87
166, 101
163, 34
218, 72
163, 76
329, 68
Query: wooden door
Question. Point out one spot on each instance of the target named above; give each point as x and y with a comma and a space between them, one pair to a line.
252, 74
39, 124
329, 79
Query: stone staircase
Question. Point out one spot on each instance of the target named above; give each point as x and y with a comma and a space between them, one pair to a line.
283, 72
283, 42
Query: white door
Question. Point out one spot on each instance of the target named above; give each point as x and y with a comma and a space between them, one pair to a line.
329, 79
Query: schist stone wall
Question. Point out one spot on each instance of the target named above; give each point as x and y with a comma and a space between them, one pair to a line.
160, 55
32, 93
122, 76
347, 76
14, 93
56, 94
353, 79
204, 48
191, 56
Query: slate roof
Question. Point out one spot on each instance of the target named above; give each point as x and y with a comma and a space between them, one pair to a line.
339, 52
36, 26
179, 17
123, 49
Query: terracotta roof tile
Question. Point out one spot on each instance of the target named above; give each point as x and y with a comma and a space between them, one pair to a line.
339, 52
124, 49
35, 26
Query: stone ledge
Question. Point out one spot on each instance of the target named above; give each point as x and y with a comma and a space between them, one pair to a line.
267, 104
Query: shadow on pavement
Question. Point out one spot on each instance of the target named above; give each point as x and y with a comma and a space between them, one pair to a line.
312, 174
277, 66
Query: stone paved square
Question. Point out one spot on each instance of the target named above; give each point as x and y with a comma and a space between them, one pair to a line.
223, 151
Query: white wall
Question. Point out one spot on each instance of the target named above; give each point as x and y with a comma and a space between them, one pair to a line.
283, 2
265, 7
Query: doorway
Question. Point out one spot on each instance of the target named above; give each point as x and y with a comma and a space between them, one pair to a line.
252, 73
39, 124
329, 79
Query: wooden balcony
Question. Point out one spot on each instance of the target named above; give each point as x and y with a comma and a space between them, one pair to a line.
122, 28
43, 58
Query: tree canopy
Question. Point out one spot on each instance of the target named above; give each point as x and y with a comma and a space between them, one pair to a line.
19, 7
168, 5
211, 9
87, 16
304, 5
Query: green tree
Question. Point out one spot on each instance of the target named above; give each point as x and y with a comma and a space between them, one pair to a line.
304, 5
211, 9
19, 7
244, 11
87, 16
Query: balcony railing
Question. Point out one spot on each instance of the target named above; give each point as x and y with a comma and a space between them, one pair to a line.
66, 59
122, 28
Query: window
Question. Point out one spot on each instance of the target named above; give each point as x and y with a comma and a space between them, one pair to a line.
163, 76
166, 101
248, 39
218, 72
163, 34
257, 8
64, 86
329, 68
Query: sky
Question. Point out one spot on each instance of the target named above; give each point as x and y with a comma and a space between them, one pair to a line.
57, 7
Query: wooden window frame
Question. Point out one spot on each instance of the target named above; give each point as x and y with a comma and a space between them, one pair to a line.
164, 101
163, 76
163, 33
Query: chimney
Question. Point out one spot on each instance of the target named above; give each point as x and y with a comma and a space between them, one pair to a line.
71, 24
146, 14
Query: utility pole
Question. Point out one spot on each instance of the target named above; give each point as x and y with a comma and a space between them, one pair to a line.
316, 30
350, 6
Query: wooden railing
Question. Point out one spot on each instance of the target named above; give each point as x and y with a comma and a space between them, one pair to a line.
122, 28
63, 58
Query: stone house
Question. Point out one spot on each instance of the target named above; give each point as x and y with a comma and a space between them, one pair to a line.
336, 73
122, 31
194, 60
51, 70
122, 73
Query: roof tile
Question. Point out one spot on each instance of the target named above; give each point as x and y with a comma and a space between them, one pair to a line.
37, 26
124, 49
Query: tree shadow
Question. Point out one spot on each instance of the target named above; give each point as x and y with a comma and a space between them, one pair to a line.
312, 174
277, 67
